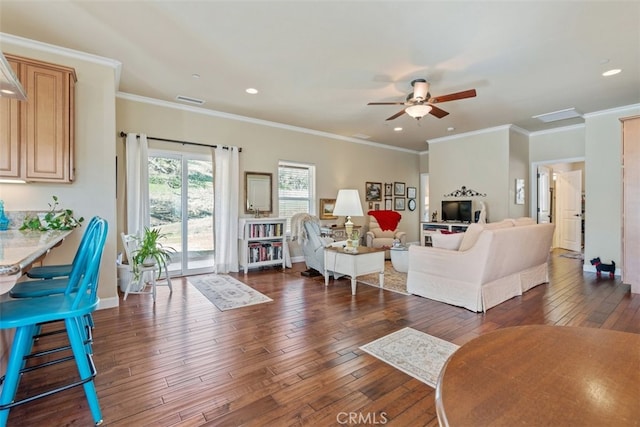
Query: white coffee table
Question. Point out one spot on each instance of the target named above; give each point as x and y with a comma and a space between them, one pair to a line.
365, 261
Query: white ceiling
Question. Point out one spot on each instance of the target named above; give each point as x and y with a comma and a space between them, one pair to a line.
318, 63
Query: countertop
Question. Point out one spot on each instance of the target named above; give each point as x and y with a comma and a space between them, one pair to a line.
18, 248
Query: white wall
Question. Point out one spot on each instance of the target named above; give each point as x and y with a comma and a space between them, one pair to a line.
93, 192
603, 184
339, 163
478, 161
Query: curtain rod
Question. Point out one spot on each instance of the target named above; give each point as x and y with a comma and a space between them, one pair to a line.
124, 134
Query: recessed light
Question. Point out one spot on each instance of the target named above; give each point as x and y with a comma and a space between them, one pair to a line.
611, 72
398, 129
252, 91
195, 75
450, 129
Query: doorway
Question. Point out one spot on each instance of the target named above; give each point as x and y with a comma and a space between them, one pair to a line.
560, 200
181, 205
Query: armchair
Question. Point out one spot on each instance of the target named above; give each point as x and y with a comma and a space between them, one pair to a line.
305, 229
383, 230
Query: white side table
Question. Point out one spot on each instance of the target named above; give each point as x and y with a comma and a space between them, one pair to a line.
400, 258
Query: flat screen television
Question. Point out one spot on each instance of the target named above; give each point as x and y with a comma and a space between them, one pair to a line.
456, 211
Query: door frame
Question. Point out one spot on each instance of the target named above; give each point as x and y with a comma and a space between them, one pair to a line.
533, 178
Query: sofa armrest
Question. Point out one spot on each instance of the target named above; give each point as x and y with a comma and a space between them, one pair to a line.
448, 263
402, 236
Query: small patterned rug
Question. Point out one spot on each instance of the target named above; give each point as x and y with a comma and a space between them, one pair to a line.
393, 280
413, 352
226, 292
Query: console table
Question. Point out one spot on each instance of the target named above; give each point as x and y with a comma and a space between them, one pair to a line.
544, 376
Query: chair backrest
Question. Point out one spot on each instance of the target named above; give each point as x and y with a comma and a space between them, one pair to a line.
84, 284
76, 268
130, 243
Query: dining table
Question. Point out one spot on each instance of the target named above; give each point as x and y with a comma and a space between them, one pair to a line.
21, 248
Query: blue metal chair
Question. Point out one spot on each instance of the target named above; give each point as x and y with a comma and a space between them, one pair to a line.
26, 315
59, 270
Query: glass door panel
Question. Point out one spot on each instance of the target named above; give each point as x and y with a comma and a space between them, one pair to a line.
181, 205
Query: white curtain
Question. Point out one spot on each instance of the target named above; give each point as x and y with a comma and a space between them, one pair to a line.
226, 190
137, 183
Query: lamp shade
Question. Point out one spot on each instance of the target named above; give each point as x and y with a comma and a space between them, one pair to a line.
417, 111
348, 203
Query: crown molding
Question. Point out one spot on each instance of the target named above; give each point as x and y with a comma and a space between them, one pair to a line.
612, 110
63, 51
560, 129
229, 116
471, 133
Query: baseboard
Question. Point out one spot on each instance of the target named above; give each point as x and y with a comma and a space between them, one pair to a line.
109, 303
591, 269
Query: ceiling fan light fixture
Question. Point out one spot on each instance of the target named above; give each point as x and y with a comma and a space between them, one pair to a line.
418, 111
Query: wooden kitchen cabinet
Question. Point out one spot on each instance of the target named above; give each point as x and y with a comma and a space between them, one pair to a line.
37, 137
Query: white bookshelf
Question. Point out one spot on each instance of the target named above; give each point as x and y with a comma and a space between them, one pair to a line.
262, 242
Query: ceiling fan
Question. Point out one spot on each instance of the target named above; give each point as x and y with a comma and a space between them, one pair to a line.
419, 103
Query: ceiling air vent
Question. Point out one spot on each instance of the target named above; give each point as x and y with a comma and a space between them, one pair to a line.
195, 101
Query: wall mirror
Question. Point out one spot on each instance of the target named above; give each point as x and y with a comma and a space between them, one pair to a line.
257, 189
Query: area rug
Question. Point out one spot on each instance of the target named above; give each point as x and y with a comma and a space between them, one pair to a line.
393, 280
413, 352
226, 292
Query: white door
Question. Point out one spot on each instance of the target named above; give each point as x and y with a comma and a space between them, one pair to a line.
544, 195
569, 197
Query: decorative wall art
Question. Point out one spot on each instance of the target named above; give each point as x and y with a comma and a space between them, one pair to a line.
388, 204
373, 191
398, 189
411, 192
464, 191
399, 203
326, 208
411, 204
388, 189
519, 191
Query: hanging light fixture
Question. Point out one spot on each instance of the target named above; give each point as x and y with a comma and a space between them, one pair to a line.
418, 111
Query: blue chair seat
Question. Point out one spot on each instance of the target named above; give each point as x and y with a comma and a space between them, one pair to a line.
50, 271
38, 288
21, 312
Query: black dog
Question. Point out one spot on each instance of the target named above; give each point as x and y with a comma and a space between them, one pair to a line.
600, 267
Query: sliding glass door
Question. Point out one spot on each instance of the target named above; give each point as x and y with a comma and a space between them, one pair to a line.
181, 205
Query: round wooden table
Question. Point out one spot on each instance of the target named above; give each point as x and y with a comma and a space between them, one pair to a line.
542, 375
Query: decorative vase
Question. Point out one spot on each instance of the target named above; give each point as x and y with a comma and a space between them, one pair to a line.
4, 221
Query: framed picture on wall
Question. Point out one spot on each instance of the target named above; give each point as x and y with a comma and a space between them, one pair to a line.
388, 204
373, 191
411, 192
398, 204
520, 191
326, 208
388, 189
398, 189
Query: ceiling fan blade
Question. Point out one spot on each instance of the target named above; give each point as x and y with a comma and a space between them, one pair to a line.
396, 115
438, 112
453, 96
386, 103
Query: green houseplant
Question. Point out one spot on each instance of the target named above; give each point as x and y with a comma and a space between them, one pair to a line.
54, 219
150, 251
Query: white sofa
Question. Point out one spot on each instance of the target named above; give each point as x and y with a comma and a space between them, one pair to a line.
495, 262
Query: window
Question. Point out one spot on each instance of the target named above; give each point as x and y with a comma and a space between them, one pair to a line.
296, 190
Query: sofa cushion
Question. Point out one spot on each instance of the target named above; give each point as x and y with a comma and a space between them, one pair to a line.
525, 220
470, 236
449, 241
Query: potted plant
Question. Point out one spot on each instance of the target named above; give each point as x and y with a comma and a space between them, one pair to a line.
54, 219
151, 251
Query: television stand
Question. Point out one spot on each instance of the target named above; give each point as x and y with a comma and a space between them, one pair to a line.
428, 228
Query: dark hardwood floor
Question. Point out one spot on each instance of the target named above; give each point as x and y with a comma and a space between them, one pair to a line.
296, 360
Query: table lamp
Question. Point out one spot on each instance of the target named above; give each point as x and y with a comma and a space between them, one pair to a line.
348, 204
